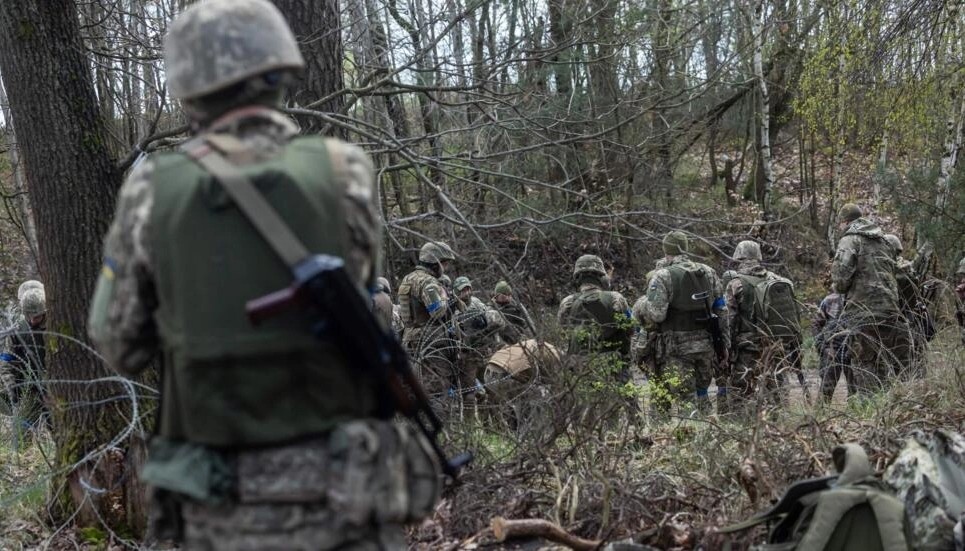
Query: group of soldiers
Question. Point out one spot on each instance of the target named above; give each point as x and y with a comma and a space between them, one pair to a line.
742, 330
274, 436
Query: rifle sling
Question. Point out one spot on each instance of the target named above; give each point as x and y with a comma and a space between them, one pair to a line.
250, 201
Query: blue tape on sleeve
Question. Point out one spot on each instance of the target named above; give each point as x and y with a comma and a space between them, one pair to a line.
433, 307
6, 357
719, 303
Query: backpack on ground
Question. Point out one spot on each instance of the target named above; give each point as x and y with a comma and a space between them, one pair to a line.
850, 511
929, 478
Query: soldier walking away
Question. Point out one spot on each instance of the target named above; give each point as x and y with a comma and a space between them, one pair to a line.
685, 307
267, 438
765, 332
863, 270
24, 362
514, 312
427, 309
597, 324
831, 342
911, 302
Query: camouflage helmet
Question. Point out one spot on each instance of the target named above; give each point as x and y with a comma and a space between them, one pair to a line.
503, 288
434, 252
849, 212
219, 43
33, 303
589, 264
28, 285
747, 250
384, 285
461, 283
675, 243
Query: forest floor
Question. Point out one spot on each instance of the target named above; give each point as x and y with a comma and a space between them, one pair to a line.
664, 483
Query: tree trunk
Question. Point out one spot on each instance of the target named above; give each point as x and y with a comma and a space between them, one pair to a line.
317, 27
71, 181
766, 183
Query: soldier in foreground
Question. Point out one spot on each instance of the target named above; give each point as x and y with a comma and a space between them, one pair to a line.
863, 271
683, 301
427, 309
266, 437
765, 334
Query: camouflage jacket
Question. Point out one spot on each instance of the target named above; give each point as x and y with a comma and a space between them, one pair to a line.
652, 309
127, 337
826, 324
480, 325
864, 271
734, 295
517, 328
24, 357
422, 299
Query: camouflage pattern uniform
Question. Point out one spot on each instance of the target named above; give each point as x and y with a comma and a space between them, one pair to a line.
517, 327
911, 304
684, 360
23, 362
863, 271
350, 486
479, 326
755, 357
830, 337
597, 323
429, 335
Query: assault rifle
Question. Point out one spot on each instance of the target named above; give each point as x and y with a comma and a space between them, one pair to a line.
713, 326
322, 287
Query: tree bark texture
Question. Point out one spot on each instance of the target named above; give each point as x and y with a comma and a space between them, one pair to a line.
317, 27
71, 181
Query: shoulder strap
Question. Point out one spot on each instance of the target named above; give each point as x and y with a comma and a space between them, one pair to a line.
250, 201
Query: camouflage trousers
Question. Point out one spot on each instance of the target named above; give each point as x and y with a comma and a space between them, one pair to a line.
682, 379
282, 526
835, 361
881, 350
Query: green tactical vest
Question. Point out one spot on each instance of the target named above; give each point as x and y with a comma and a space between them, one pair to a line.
225, 382
594, 329
685, 313
768, 307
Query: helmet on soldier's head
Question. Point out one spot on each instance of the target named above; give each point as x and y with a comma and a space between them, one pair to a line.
461, 283
747, 250
895, 243
503, 288
33, 303
216, 44
675, 243
589, 264
384, 284
434, 252
849, 212
28, 285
